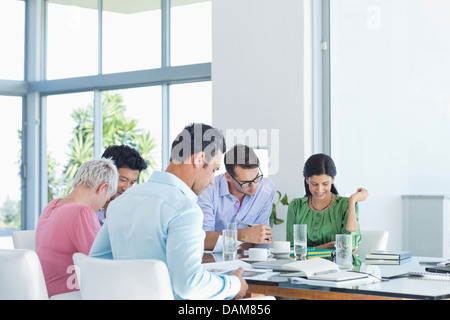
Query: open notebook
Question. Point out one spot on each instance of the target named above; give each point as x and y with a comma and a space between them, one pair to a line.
313, 269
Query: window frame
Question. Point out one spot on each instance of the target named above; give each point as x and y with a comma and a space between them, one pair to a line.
35, 88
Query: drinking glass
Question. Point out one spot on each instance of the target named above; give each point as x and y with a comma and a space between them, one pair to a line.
344, 251
229, 244
231, 225
300, 239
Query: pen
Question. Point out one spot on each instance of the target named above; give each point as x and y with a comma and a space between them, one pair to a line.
244, 223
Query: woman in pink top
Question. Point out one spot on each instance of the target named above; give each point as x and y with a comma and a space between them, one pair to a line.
70, 224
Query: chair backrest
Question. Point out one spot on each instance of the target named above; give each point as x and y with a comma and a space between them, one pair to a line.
372, 240
105, 279
21, 276
24, 239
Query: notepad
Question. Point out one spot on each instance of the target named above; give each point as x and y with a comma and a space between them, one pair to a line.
313, 269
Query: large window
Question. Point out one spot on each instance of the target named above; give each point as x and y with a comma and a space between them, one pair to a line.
390, 102
131, 35
72, 39
191, 32
12, 25
70, 139
133, 117
92, 65
115, 37
189, 103
10, 162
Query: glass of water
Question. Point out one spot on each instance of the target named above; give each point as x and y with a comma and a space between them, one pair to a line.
229, 244
344, 257
300, 239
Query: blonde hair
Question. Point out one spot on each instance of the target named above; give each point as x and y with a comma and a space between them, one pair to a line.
96, 171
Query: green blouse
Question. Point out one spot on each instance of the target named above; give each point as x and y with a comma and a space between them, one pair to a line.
322, 226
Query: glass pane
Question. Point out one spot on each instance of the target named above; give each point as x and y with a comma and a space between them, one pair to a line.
189, 103
72, 39
133, 117
122, 21
10, 162
191, 32
70, 139
12, 17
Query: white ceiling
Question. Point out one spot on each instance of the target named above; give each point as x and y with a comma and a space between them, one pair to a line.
124, 6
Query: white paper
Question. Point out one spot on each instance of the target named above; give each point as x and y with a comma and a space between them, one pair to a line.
228, 267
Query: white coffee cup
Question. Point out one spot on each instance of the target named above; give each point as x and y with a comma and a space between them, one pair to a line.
258, 254
281, 246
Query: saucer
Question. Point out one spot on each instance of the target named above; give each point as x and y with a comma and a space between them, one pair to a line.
282, 252
250, 260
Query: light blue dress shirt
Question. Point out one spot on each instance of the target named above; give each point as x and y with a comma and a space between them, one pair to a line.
160, 219
220, 207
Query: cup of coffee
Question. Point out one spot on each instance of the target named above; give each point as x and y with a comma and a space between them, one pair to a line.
259, 254
281, 246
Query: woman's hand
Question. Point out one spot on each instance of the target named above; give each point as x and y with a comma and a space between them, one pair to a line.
360, 195
329, 245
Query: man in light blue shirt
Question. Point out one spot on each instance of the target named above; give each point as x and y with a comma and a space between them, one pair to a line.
160, 219
240, 194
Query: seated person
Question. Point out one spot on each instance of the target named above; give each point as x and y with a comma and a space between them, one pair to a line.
241, 193
160, 219
322, 209
129, 164
69, 225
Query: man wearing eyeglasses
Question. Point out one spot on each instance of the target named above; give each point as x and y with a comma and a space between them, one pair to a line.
240, 195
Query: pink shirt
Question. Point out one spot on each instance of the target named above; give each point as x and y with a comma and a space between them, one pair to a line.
62, 230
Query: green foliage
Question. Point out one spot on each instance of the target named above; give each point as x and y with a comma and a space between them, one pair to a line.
273, 216
10, 214
117, 130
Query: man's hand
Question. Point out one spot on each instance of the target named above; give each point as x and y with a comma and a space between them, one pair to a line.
257, 234
244, 286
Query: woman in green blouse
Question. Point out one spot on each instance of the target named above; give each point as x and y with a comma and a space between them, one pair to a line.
322, 209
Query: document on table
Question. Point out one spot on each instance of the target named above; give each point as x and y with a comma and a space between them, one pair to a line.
228, 267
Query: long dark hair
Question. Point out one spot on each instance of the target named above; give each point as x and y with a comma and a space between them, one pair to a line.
317, 165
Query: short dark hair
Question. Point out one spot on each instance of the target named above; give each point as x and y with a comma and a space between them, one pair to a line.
242, 156
195, 138
125, 157
319, 164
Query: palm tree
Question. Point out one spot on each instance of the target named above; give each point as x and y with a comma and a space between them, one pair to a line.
117, 130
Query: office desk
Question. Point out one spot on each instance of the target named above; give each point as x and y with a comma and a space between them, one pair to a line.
394, 289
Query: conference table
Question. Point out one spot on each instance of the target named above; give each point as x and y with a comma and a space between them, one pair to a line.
397, 284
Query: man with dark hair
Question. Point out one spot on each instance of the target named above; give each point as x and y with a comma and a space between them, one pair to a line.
160, 219
129, 164
242, 195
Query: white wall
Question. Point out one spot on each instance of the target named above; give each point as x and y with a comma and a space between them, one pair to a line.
258, 73
390, 120
391, 104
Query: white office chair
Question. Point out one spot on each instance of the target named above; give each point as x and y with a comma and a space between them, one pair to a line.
371, 241
105, 279
24, 239
21, 277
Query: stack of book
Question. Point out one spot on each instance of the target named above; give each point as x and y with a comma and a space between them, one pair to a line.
318, 253
388, 257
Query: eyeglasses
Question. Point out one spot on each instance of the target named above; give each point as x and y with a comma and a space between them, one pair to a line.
246, 184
